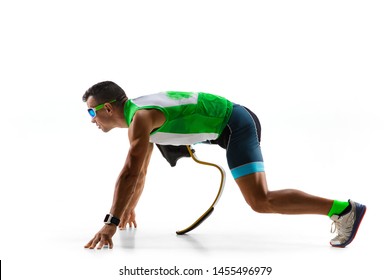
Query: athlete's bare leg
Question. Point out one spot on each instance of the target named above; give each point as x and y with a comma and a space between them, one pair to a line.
288, 201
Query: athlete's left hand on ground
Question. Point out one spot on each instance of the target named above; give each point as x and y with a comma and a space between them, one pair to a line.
102, 238
128, 218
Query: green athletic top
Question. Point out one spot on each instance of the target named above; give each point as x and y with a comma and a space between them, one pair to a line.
191, 117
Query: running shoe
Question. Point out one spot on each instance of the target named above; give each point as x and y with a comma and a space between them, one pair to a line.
347, 225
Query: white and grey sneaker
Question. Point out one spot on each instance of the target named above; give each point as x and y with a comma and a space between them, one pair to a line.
347, 225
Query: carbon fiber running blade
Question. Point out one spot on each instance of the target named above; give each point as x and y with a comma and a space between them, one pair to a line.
197, 222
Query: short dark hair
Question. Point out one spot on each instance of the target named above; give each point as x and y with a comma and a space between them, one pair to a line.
105, 92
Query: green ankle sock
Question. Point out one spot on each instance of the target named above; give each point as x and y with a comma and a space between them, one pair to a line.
338, 207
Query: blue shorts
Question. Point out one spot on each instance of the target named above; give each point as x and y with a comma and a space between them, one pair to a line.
243, 146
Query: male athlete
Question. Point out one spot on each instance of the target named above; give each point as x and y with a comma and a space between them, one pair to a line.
185, 118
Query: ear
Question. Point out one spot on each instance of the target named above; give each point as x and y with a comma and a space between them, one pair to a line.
109, 109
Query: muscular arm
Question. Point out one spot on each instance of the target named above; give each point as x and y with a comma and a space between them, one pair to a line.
128, 216
129, 185
130, 181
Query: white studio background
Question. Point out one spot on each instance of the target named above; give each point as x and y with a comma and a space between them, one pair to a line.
315, 72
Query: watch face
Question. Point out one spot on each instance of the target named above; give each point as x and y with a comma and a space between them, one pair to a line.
109, 219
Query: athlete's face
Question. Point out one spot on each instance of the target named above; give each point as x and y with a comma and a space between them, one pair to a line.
102, 117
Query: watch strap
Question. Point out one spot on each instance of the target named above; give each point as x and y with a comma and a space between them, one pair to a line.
110, 219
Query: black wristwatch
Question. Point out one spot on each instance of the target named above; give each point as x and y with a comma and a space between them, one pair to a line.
110, 219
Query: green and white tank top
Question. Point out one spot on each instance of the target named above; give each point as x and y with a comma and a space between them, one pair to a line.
191, 117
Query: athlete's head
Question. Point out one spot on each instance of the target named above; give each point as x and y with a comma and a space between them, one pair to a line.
105, 103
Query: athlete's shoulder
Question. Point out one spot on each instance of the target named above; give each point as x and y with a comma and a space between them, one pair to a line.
152, 118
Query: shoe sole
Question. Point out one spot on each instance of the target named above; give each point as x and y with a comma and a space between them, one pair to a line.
359, 217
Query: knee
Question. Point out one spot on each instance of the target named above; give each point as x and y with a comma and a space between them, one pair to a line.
260, 204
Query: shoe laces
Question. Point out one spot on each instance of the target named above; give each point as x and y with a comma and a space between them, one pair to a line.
342, 228
335, 226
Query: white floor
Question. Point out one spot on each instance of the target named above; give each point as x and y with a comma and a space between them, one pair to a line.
293, 246
290, 255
